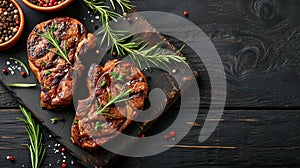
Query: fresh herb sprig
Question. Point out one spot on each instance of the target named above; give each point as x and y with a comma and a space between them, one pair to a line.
121, 97
121, 42
37, 151
50, 37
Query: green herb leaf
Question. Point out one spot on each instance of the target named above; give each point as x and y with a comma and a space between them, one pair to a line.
98, 125
102, 83
55, 119
75, 121
50, 37
37, 151
121, 97
47, 72
21, 85
113, 74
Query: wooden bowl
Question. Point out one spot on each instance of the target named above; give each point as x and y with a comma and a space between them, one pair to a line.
48, 9
14, 40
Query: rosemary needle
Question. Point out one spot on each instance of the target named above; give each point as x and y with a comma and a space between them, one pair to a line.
37, 151
21, 85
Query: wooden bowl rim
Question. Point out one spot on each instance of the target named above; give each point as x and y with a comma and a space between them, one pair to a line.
16, 37
47, 9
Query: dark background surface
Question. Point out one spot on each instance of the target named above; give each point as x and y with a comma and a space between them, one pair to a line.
258, 41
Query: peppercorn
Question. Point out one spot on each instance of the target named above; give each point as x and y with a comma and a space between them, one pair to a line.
63, 149
11, 158
23, 74
46, 3
63, 165
172, 133
9, 17
5, 71
166, 137
185, 13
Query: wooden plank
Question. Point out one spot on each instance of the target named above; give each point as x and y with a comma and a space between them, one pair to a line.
7, 100
13, 139
243, 138
259, 50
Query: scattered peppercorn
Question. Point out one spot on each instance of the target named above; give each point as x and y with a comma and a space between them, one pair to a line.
9, 21
186, 13
46, 3
5, 71
63, 165
172, 133
23, 74
143, 136
166, 137
11, 158
63, 149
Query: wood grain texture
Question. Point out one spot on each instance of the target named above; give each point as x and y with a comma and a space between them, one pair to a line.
258, 42
13, 140
244, 138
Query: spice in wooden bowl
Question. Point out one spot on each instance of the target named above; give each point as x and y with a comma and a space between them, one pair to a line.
11, 23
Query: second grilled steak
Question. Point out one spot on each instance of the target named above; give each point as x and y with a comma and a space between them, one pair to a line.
54, 73
97, 121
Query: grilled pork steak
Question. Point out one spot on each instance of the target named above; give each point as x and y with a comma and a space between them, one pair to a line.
95, 125
54, 73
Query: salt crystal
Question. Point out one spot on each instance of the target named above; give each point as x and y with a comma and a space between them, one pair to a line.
72, 162
19, 68
55, 144
50, 164
12, 72
58, 144
49, 146
7, 63
16, 62
65, 157
97, 17
57, 151
62, 154
58, 161
84, 18
136, 18
92, 21
174, 71
88, 12
23, 165
9, 68
50, 136
64, 161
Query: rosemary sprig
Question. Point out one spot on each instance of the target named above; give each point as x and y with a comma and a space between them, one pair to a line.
50, 37
98, 125
124, 4
121, 42
21, 85
121, 97
37, 152
22, 64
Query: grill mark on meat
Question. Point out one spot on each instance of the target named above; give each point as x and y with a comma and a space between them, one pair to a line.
84, 133
60, 79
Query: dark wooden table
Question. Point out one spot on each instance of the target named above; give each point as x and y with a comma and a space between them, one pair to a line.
259, 43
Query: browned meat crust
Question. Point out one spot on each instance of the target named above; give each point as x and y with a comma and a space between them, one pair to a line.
105, 82
53, 72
